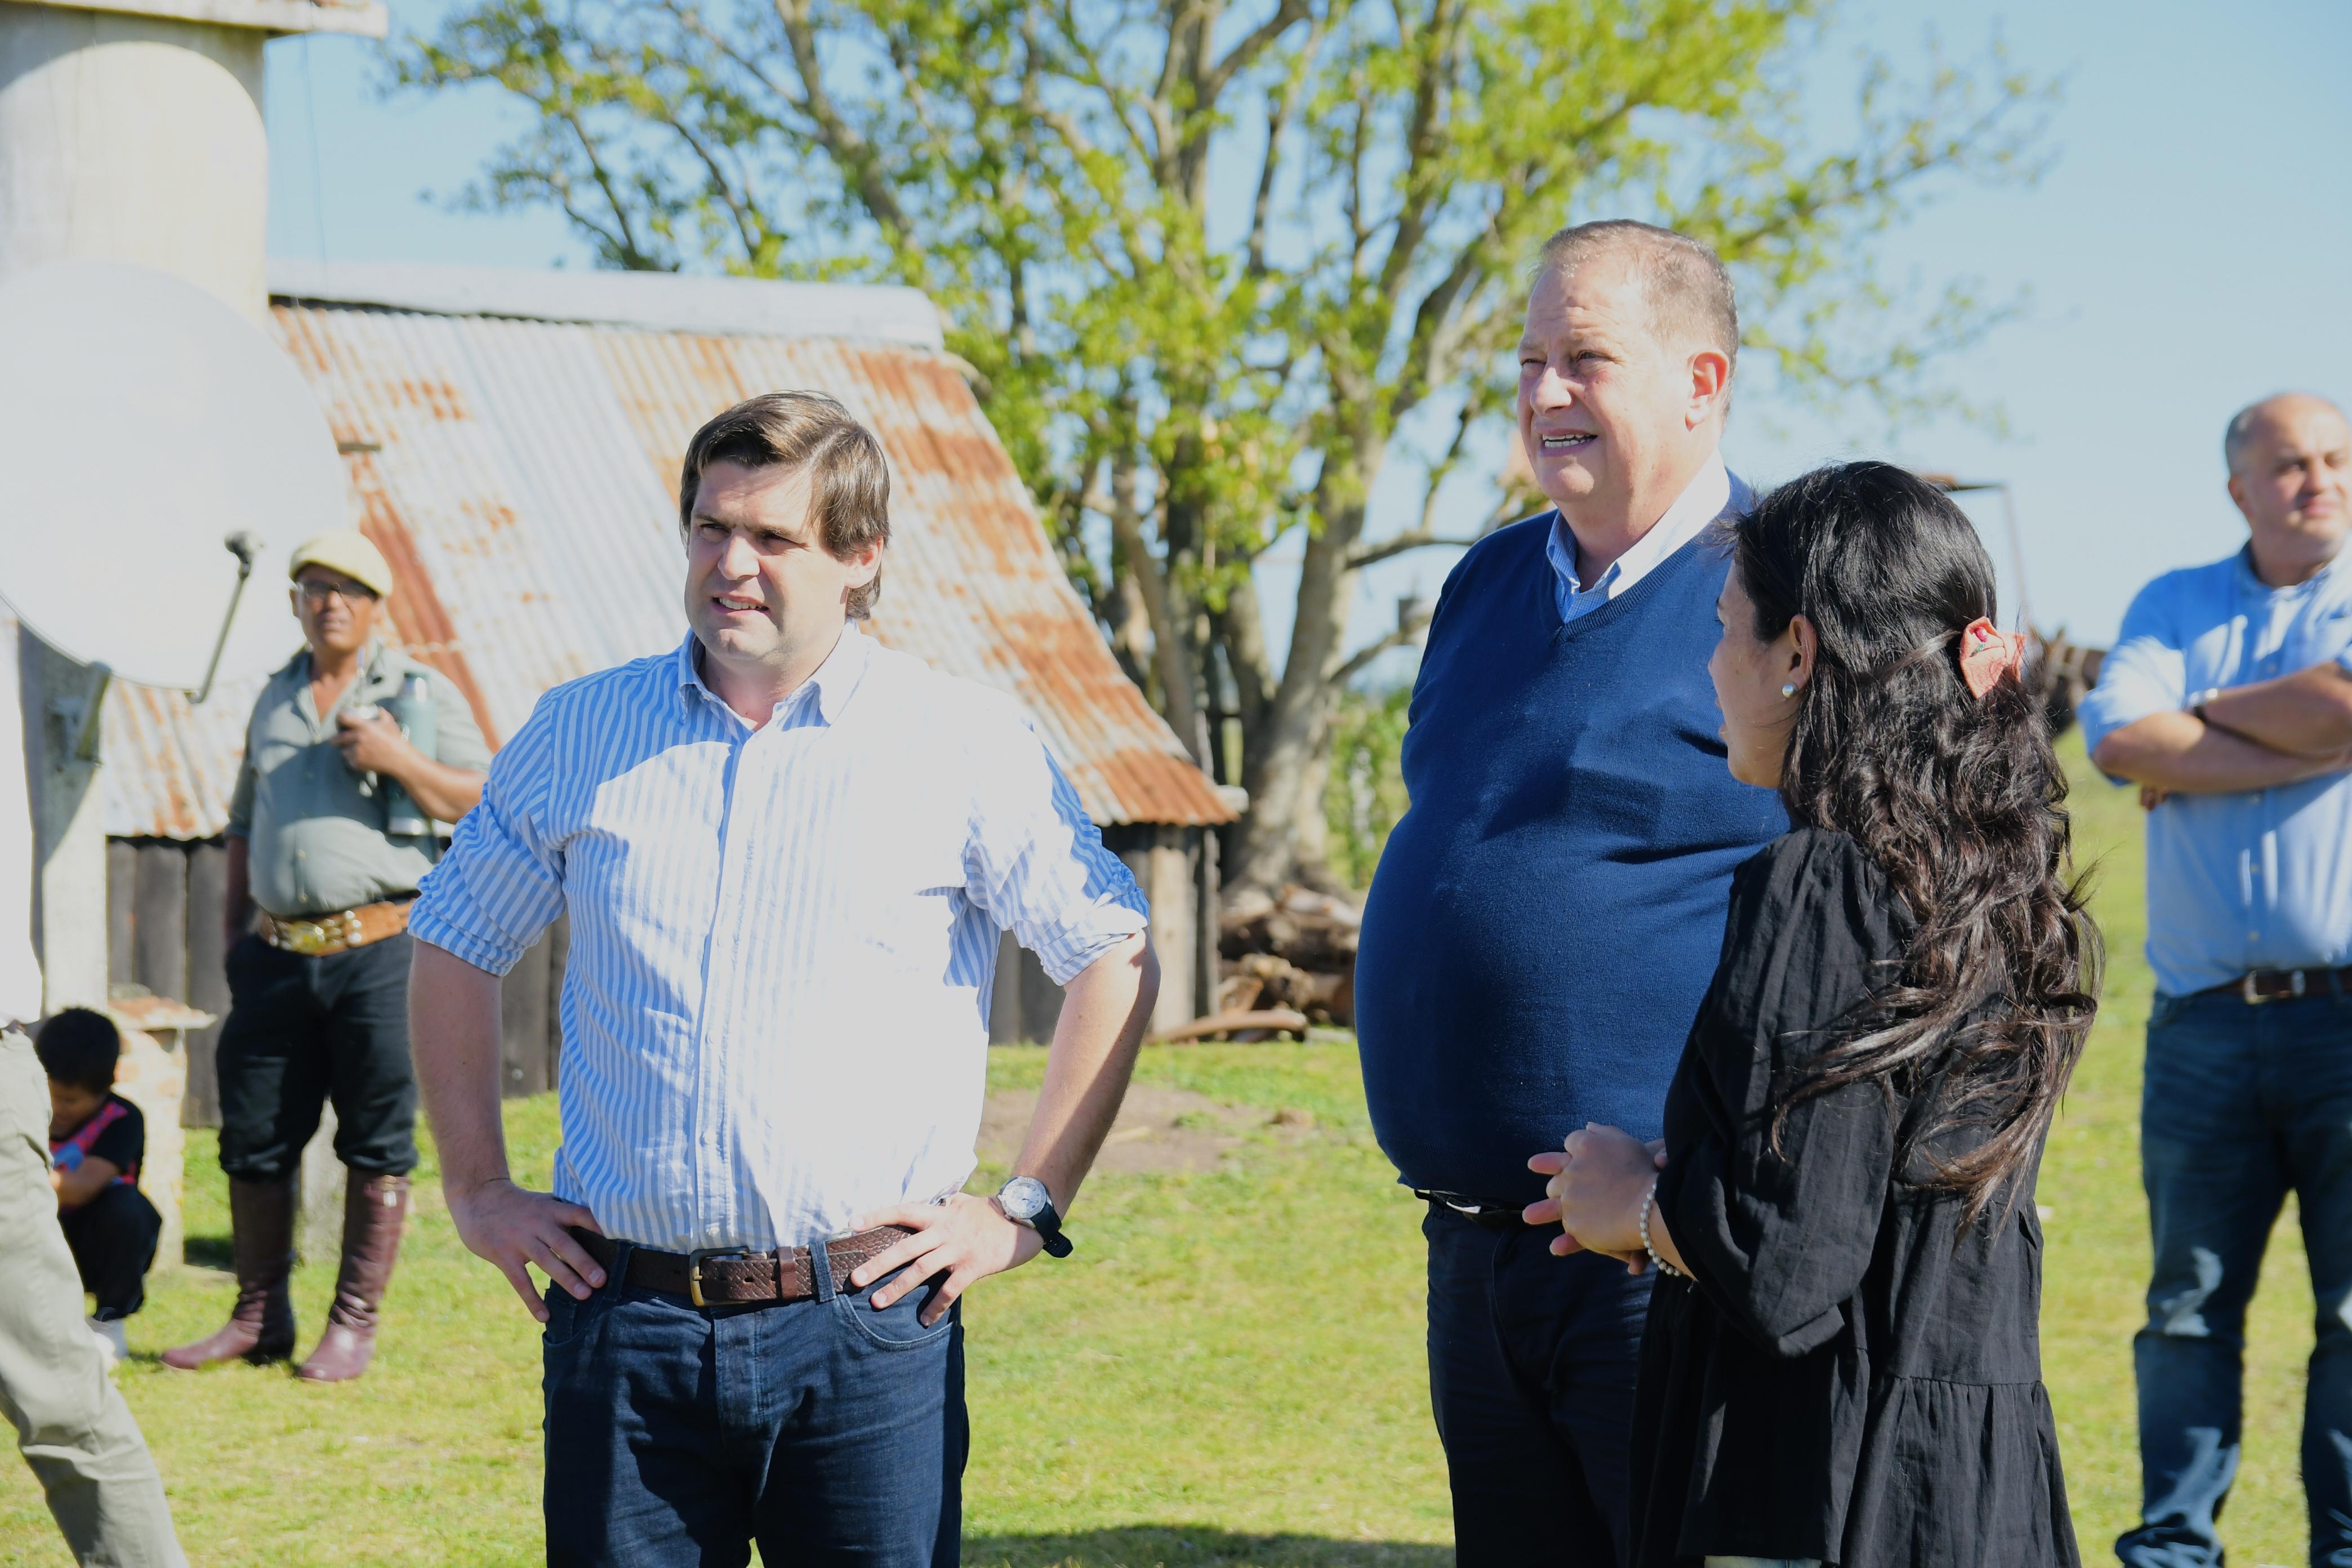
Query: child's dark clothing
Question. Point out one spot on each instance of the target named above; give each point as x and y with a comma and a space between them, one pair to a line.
113, 1235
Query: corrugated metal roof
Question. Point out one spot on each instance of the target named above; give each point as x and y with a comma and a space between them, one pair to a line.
521, 476
666, 301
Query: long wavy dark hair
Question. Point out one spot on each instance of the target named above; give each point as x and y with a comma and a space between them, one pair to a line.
1958, 800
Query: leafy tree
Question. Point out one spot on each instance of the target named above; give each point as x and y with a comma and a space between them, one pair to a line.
1214, 265
1365, 795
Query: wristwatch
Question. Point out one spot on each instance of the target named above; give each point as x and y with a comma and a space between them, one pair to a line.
1026, 1201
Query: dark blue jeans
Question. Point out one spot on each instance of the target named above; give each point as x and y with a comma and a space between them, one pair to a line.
2242, 1105
830, 1432
1532, 1360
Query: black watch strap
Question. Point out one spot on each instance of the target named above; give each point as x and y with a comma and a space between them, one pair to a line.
1048, 1226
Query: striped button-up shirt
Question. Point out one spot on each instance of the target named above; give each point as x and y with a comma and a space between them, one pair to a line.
782, 939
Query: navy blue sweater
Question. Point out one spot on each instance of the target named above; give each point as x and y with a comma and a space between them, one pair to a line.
1547, 914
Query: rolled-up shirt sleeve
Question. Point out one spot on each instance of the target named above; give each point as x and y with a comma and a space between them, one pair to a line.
1036, 861
2146, 672
502, 883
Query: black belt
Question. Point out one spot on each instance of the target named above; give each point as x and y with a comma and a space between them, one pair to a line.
2283, 984
728, 1276
1485, 1215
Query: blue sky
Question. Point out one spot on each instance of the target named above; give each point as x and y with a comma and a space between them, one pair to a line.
2186, 253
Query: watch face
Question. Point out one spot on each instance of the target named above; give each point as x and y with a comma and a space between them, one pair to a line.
1024, 1197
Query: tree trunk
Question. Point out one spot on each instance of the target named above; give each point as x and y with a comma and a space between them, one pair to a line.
1284, 752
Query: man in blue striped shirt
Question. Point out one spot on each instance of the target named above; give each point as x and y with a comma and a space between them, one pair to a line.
787, 854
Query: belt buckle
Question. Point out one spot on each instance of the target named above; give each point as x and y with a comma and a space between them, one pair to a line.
694, 1269
2298, 984
305, 937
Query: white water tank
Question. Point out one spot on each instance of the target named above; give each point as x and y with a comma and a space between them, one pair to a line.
133, 131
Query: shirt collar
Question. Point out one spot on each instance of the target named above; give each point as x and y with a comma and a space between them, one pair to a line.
2251, 581
1711, 490
373, 668
835, 682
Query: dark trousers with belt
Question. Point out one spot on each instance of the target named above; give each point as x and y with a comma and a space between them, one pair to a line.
303, 1031
113, 1242
833, 1434
1532, 1360
2241, 1105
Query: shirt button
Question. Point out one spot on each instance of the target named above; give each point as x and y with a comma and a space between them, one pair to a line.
710, 1140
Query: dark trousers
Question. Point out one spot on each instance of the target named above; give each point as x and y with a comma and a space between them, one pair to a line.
302, 1031
2240, 1106
1532, 1360
830, 1432
113, 1241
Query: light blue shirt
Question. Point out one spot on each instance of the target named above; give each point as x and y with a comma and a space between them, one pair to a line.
1713, 492
775, 1005
2260, 880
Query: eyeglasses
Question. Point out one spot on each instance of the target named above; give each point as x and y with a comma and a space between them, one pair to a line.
318, 593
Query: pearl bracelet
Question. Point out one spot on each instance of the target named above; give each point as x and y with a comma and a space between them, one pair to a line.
1657, 1262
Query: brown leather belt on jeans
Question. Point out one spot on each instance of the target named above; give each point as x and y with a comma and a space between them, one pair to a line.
319, 935
728, 1276
2280, 984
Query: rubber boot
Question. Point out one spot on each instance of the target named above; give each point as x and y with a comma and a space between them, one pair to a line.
373, 1212
260, 1327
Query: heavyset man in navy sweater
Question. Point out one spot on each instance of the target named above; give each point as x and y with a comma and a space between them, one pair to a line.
1547, 914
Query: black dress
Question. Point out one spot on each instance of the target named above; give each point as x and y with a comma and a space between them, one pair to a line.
1842, 1382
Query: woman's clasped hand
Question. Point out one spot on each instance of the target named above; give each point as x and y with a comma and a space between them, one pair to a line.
1601, 1179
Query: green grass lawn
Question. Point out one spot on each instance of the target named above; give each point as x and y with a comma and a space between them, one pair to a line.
1228, 1372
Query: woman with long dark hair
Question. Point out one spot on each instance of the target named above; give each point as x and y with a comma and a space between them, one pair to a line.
1842, 1363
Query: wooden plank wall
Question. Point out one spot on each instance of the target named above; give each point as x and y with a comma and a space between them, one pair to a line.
164, 902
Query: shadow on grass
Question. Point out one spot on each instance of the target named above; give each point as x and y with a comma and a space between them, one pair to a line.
207, 1252
1180, 1546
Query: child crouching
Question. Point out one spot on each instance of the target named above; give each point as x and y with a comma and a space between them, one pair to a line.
97, 1138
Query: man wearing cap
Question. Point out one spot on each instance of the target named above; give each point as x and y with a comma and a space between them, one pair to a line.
329, 834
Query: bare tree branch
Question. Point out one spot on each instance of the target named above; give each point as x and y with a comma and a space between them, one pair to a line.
1397, 544
1255, 42
1354, 666
855, 154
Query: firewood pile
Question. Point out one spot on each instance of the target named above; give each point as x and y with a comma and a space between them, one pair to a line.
1294, 949
2061, 674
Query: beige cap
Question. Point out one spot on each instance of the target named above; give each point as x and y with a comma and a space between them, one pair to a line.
347, 551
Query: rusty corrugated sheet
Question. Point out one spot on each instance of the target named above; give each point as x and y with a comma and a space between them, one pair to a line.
521, 477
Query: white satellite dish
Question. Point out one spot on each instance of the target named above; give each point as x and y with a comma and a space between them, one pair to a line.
143, 426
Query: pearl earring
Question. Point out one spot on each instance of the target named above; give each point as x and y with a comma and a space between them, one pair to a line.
1788, 690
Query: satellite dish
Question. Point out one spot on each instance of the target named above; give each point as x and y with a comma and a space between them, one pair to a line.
143, 426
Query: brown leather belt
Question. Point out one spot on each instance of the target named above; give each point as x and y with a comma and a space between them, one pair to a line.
728, 1276
345, 929
2282, 984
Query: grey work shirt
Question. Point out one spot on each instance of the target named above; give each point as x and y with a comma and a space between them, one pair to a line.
315, 828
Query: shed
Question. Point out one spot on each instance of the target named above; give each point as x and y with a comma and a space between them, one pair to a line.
514, 440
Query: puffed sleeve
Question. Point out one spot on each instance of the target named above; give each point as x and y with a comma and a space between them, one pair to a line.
1780, 1240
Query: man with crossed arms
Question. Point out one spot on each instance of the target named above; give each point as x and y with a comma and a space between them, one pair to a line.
2227, 699
787, 854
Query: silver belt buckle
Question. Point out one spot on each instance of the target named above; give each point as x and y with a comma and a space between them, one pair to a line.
2296, 981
